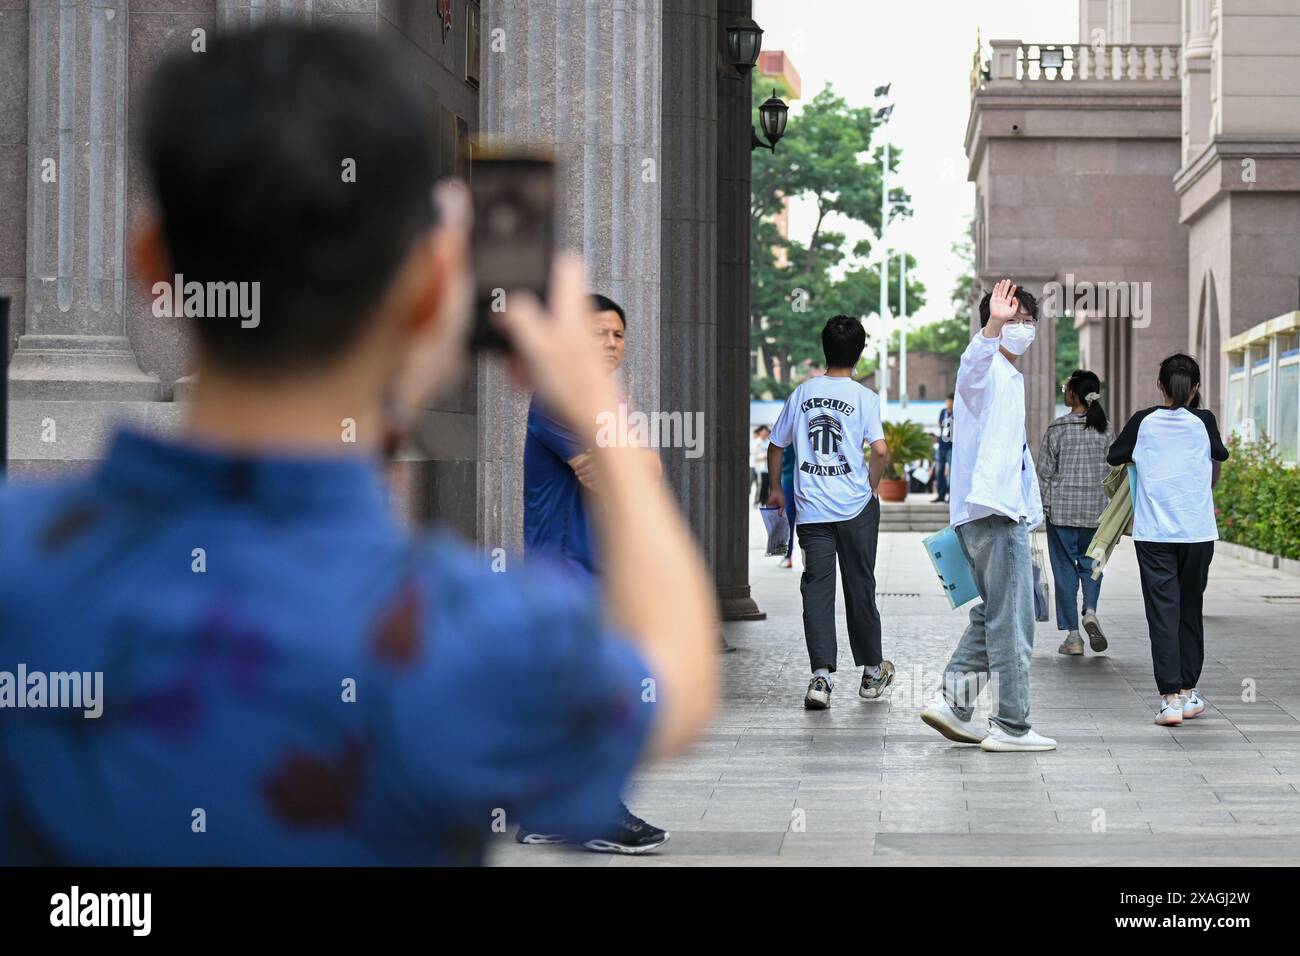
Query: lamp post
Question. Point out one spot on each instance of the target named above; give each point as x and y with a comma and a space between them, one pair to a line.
902, 328
882, 379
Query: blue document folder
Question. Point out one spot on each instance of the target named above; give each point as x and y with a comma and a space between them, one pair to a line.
951, 566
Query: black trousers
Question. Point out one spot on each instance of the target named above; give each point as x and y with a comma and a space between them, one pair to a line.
1173, 589
854, 542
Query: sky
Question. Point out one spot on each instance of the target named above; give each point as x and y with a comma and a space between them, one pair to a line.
924, 49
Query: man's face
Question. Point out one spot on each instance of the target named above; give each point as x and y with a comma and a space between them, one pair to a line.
608, 329
948, 403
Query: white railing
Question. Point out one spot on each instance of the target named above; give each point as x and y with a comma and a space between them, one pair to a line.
1074, 62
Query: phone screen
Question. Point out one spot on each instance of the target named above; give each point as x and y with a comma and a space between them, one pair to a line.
514, 235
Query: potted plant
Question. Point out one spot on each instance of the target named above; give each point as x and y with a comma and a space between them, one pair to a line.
906, 441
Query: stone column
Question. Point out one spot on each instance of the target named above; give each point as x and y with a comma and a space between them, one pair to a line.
1198, 47
75, 345
732, 514
688, 263
583, 79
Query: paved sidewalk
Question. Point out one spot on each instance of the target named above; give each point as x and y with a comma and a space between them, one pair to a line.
868, 783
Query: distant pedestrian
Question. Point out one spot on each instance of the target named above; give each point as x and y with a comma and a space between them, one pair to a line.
758, 473
1071, 466
788, 462
943, 452
1172, 448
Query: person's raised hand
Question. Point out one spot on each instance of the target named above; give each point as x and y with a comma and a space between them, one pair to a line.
1003, 306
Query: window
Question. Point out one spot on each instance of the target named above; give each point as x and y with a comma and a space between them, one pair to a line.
1288, 397
920, 392
472, 41
1259, 384
1236, 391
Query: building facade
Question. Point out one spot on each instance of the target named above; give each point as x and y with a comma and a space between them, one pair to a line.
652, 127
1147, 178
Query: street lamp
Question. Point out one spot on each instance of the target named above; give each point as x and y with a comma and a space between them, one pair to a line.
744, 40
772, 115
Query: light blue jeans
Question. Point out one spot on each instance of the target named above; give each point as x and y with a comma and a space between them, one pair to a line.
995, 648
1072, 568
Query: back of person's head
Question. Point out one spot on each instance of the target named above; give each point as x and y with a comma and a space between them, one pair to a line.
603, 303
1179, 376
843, 340
1085, 386
250, 150
1028, 305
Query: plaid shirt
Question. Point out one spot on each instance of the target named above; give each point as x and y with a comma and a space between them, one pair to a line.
1071, 465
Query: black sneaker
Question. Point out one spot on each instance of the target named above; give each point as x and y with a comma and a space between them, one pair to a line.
524, 835
819, 694
630, 834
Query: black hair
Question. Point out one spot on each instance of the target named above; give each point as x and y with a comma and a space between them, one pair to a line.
299, 158
761, 428
843, 340
1081, 384
1026, 301
603, 303
1179, 374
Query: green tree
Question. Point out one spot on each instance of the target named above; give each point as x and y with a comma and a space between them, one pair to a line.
828, 156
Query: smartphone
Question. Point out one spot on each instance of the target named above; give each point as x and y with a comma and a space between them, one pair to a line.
513, 195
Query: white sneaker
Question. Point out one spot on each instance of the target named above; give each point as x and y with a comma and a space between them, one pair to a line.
1170, 714
1193, 706
999, 741
944, 719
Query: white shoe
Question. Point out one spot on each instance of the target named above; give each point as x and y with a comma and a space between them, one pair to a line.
944, 719
1170, 714
1193, 706
999, 741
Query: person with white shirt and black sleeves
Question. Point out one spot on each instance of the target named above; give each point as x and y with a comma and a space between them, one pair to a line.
830, 420
995, 504
1172, 448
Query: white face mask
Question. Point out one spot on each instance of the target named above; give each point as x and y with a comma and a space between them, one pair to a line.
1017, 337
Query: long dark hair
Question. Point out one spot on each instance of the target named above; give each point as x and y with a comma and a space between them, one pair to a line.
1179, 375
1082, 384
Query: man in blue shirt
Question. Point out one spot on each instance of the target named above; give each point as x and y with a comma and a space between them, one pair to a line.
290, 677
557, 479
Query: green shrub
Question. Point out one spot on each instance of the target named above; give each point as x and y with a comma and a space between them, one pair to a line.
1257, 500
907, 441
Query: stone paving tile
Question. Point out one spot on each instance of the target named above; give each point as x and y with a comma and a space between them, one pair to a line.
866, 783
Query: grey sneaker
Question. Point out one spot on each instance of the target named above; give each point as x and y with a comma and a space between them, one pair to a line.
1073, 644
873, 687
1093, 626
819, 694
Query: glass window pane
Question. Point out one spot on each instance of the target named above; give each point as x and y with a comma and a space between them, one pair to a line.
1288, 410
1236, 392
1259, 399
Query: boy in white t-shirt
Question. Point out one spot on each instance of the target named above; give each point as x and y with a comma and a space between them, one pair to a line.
830, 419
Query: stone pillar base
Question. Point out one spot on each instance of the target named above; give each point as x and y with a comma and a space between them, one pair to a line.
736, 604
69, 368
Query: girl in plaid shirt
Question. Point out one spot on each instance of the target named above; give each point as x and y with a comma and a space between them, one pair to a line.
1071, 465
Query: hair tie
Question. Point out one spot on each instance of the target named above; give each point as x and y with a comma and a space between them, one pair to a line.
1090, 398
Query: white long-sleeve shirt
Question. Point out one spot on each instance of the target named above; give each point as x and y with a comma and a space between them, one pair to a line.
992, 470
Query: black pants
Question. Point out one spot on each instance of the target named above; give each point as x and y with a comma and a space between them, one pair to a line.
1173, 588
854, 541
